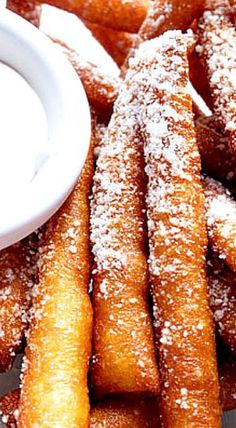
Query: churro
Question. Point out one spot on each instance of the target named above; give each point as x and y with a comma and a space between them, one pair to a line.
118, 14
101, 88
116, 43
222, 291
216, 158
217, 47
221, 220
177, 236
15, 284
28, 9
124, 353
54, 384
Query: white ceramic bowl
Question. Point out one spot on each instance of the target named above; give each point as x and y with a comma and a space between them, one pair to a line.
35, 57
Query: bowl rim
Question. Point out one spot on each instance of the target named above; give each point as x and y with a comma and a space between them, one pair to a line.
68, 118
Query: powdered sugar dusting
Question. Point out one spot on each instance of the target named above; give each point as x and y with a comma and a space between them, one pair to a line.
99, 138
118, 237
177, 236
217, 47
15, 298
158, 13
166, 152
112, 185
101, 88
221, 220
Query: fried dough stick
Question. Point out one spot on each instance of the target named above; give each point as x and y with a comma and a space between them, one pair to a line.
15, 283
120, 412
217, 47
125, 413
124, 352
101, 88
171, 15
163, 16
222, 291
116, 43
117, 14
28, 9
216, 158
221, 220
177, 237
54, 386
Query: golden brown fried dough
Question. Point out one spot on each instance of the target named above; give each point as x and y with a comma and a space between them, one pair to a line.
217, 47
125, 412
216, 158
30, 10
163, 16
177, 237
101, 88
221, 220
124, 352
119, 412
54, 386
15, 283
171, 15
9, 408
118, 14
222, 290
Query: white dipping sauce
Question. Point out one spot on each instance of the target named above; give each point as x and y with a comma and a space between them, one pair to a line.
23, 131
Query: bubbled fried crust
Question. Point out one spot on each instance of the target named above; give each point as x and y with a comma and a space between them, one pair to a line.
222, 291
9, 408
216, 47
101, 88
177, 237
29, 10
15, 283
221, 220
124, 353
124, 412
54, 385
116, 412
120, 15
